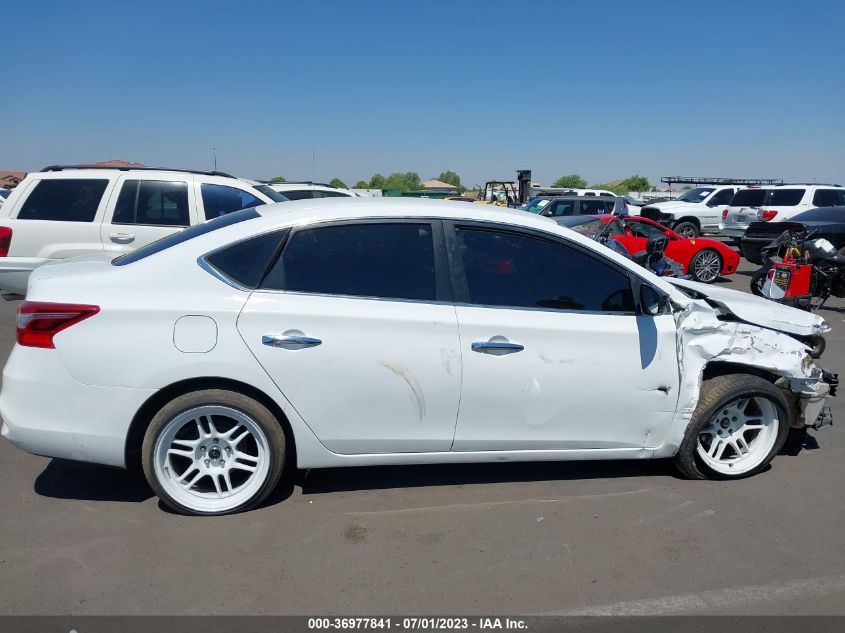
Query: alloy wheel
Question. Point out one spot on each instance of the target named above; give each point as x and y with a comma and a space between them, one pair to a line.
211, 458
707, 266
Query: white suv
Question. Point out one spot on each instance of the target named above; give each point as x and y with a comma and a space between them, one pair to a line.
63, 212
781, 203
307, 190
695, 211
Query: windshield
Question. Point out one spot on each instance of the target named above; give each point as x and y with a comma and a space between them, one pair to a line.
4, 193
825, 214
274, 195
535, 206
696, 195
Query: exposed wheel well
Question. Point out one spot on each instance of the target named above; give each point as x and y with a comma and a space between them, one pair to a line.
693, 220
142, 419
723, 368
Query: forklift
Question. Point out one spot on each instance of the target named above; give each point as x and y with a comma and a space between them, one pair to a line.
507, 193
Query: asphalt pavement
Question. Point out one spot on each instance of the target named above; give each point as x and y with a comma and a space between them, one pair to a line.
605, 537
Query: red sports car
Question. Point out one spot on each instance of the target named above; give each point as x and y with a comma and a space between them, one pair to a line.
703, 259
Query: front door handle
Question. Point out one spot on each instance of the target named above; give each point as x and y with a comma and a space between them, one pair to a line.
122, 238
496, 347
290, 342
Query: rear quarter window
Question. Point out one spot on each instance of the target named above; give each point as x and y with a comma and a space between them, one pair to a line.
64, 200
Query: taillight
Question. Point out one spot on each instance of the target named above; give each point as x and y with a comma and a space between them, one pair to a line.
724, 214
5, 240
40, 321
767, 215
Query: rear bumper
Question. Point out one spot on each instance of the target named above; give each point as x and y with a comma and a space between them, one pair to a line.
732, 231
46, 412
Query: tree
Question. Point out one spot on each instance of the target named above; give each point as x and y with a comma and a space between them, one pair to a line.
362, 184
572, 180
409, 181
278, 179
617, 189
337, 183
376, 182
453, 179
636, 183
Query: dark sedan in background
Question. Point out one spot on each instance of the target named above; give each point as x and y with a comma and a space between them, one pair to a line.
827, 222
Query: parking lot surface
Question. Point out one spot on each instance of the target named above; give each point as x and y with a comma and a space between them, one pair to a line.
616, 537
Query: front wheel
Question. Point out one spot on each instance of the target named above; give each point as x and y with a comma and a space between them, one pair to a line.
213, 452
705, 266
757, 281
739, 425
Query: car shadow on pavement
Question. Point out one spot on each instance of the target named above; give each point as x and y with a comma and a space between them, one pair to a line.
326, 480
65, 479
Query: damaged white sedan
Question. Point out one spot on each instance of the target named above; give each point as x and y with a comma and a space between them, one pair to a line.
352, 332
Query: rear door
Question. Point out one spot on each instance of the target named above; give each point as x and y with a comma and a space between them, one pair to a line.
145, 208
355, 326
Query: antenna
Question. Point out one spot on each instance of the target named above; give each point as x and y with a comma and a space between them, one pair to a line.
313, 163
214, 149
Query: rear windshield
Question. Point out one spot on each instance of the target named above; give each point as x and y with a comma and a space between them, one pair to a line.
785, 197
826, 214
274, 195
749, 198
183, 236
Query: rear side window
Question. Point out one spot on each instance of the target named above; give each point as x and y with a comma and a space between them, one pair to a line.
299, 194
829, 198
330, 194
521, 271
219, 200
65, 200
785, 197
749, 198
246, 262
385, 260
561, 208
152, 203
183, 236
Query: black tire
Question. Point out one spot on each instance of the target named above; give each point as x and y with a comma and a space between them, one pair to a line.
259, 414
686, 229
715, 394
794, 441
757, 281
699, 255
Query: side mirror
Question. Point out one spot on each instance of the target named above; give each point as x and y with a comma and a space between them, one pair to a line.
651, 300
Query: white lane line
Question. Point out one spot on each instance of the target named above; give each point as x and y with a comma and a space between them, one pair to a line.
718, 599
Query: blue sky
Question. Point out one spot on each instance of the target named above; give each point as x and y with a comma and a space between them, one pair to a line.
603, 89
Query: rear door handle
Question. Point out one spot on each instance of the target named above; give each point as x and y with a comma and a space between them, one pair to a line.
122, 238
496, 347
290, 342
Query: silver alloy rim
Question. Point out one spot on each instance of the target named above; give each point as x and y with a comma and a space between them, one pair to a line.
211, 458
707, 266
688, 231
739, 436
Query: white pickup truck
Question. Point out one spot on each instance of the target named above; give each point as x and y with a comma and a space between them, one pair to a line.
695, 211
63, 212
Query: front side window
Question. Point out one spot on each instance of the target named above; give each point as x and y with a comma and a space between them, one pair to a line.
596, 207
522, 271
384, 260
152, 203
785, 197
219, 200
829, 198
723, 197
64, 200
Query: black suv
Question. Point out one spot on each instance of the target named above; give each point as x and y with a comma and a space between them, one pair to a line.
561, 206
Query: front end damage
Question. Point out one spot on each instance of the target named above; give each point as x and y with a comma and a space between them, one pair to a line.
712, 340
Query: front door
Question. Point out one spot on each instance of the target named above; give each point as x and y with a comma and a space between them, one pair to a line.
354, 326
554, 354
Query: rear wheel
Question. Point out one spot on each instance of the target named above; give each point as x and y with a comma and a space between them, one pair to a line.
739, 425
706, 266
213, 452
686, 229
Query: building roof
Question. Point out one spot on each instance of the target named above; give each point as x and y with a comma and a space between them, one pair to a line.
8, 179
116, 163
437, 184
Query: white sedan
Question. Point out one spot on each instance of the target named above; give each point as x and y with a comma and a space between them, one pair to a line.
352, 332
